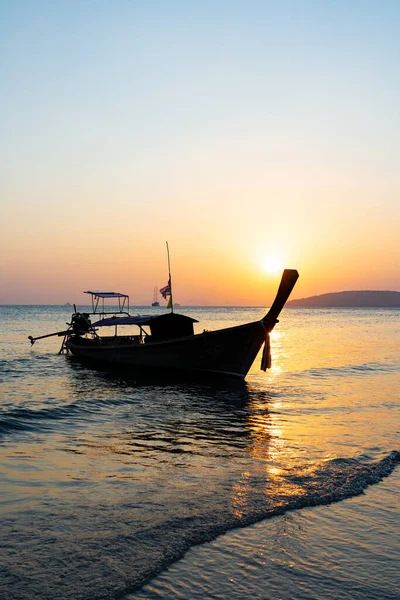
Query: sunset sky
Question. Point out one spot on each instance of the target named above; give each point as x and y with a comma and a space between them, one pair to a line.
240, 131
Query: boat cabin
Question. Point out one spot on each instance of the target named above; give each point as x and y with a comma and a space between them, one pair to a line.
170, 325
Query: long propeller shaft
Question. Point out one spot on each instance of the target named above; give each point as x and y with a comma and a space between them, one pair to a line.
41, 337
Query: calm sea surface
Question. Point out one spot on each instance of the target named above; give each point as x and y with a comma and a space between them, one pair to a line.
283, 486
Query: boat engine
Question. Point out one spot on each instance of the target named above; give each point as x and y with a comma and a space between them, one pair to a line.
80, 323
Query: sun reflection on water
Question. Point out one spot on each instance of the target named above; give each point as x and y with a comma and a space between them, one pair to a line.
240, 494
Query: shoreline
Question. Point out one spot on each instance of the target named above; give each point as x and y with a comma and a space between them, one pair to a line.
342, 550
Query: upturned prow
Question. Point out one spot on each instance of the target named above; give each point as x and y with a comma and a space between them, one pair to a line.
289, 278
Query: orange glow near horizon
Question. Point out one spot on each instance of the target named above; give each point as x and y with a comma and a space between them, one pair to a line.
48, 270
247, 158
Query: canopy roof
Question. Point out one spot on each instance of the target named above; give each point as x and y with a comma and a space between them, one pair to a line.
139, 320
107, 294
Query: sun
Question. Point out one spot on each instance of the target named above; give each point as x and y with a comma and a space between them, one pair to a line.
273, 265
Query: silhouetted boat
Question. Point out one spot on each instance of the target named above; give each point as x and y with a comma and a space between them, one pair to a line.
155, 298
168, 341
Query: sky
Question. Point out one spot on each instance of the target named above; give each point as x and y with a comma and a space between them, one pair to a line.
246, 133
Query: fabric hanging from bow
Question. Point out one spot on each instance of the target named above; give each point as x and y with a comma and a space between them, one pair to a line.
266, 355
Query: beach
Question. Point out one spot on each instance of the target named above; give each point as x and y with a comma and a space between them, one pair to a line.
341, 551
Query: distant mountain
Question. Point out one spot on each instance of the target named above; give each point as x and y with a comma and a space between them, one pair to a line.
356, 299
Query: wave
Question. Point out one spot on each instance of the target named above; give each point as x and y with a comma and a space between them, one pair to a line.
25, 419
142, 545
29, 419
362, 369
329, 482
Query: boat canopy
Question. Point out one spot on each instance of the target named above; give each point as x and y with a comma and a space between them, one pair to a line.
107, 294
138, 320
162, 327
123, 301
141, 320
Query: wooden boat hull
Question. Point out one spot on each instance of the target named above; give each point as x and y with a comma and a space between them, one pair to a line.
229, 351
172, 344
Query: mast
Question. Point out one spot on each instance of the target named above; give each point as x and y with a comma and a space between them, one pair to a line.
171, 301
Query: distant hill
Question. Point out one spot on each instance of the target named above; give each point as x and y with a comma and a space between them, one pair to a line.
356, 299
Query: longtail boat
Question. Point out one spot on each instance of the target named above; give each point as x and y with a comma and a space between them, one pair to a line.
168, 341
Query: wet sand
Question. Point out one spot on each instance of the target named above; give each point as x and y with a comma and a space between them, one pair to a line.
347, 550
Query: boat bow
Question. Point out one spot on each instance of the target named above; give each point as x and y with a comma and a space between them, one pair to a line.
288, 281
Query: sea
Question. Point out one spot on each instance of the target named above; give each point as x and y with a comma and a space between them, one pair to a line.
284, 486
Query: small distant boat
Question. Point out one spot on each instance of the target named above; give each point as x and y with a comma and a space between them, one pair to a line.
167, 342
155, 298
